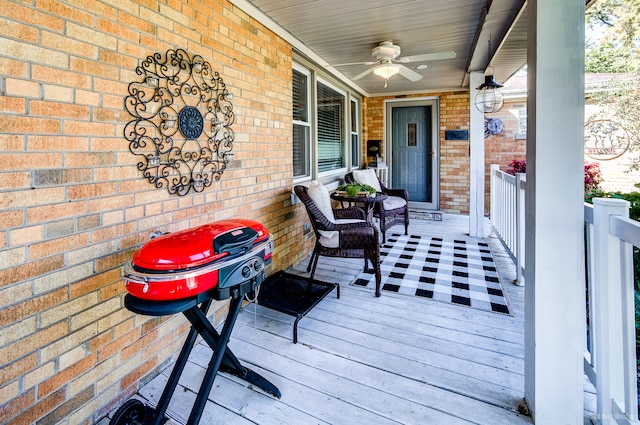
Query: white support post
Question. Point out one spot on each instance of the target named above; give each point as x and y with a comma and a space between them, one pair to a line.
554, 269
608, 310
476, 153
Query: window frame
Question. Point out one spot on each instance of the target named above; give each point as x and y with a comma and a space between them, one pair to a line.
315, 76
356, 157
344, 148
308, 125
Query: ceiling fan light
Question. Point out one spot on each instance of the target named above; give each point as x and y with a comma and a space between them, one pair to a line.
386, 70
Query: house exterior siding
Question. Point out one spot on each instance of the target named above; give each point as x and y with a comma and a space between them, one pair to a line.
74, 207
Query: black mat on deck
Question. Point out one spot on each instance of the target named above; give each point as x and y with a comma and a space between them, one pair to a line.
293, 295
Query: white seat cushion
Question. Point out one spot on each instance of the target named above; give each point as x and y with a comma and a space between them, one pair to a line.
320, 196
367, 176
393, 202
331, 239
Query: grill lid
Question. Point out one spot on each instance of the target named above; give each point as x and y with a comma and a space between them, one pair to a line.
199, 246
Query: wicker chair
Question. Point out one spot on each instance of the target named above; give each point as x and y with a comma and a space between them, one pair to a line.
395, 210
346, 235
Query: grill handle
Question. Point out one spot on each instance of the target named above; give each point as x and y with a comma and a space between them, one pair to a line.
142, 281
235, 242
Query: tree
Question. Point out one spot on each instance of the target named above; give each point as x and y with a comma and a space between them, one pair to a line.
606, 57
619, 102
616, 48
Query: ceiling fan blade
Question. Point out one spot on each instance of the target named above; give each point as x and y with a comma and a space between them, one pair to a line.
355, 63
428, 57
409, 74
362, 74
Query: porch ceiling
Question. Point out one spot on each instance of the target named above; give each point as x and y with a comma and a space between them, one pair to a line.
333, 32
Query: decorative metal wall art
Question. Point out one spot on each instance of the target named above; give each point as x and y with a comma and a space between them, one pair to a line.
493, 126
181, 127
605, 140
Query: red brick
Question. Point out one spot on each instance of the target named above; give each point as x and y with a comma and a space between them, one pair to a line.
34, 342
139, 372
30, 270
32, 306
15, 406
117, 345
94, 283
56, 246
11, 371
62, 378
60, 110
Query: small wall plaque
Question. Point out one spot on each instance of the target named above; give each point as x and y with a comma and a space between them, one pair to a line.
456, 135
373, 148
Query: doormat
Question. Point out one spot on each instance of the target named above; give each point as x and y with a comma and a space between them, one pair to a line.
293, 295
456, 271
425, 215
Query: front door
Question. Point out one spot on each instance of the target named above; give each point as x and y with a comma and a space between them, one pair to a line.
412, 154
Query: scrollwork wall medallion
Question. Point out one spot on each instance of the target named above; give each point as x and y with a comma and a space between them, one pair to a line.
181, 127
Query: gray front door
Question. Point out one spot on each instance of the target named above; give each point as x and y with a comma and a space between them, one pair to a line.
412, 153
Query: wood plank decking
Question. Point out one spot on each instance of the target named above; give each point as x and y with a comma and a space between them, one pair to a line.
365, 360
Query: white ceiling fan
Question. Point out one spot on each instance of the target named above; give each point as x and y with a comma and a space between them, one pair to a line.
389, 63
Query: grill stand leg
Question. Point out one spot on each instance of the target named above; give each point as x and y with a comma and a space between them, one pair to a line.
222, 356
178, 368
230, 363
218, 353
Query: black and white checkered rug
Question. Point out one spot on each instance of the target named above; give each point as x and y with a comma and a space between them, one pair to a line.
455, 271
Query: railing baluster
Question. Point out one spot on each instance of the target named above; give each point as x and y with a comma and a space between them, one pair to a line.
610, 363
507, 214
613, 316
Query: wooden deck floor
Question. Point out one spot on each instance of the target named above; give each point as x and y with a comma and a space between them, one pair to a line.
365, 360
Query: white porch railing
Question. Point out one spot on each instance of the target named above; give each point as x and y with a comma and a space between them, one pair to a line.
507, 214
610, 362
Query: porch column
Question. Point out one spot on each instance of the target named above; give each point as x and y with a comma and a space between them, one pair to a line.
554, 271
476, 159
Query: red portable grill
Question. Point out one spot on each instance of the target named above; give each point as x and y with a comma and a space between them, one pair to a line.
184, 272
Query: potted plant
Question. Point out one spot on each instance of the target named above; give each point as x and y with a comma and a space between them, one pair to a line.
357, 189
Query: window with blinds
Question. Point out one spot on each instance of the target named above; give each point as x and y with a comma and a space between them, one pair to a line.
331, 140
355, 138
301, 126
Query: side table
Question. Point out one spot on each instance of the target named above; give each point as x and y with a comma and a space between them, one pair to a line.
367, 203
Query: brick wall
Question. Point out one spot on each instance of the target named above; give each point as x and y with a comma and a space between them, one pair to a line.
73, 206
454, 154
503, 148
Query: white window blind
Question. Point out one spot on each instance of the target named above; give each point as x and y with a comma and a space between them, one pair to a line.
355, 139
301, 126
330, 129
